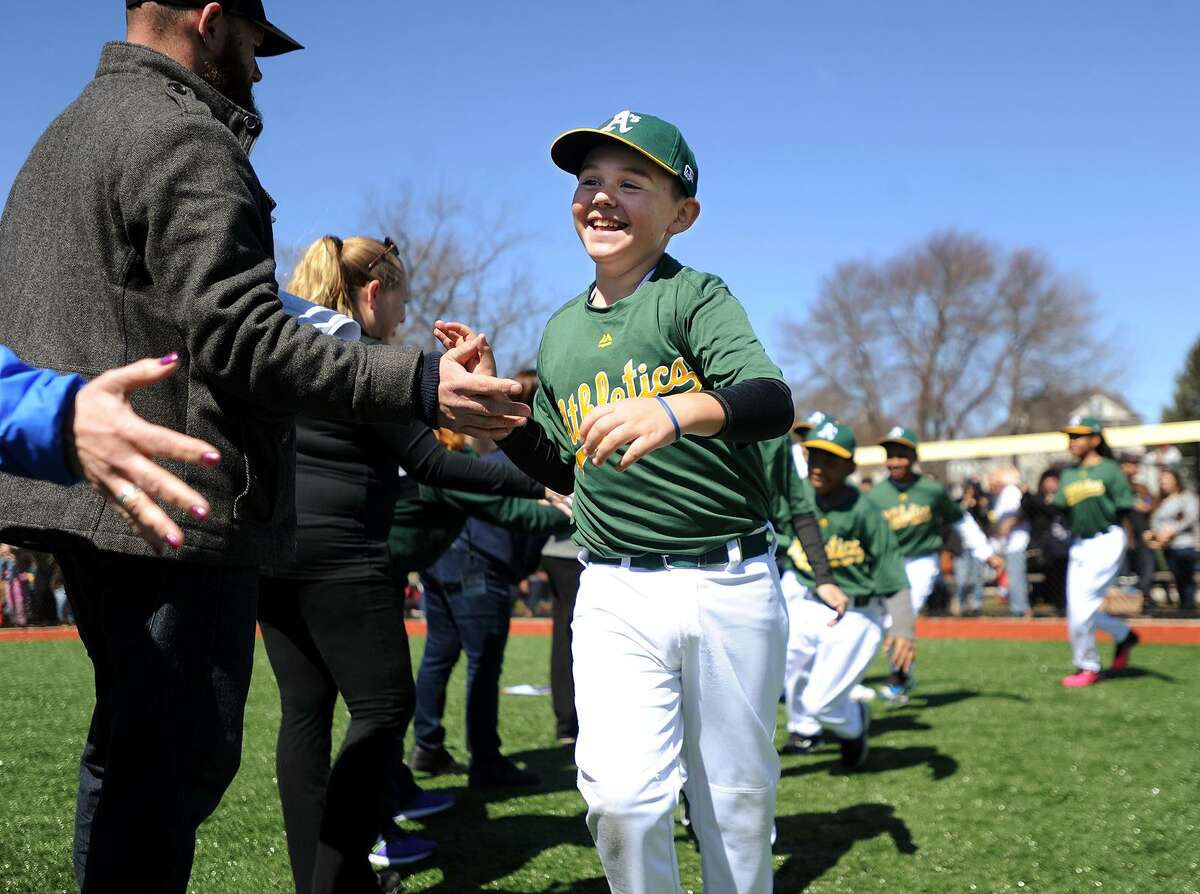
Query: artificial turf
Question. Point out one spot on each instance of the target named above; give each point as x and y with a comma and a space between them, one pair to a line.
993, 778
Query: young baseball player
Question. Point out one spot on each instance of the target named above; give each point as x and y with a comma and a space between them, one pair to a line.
917, 508
826, 662
654, 390
1097, 500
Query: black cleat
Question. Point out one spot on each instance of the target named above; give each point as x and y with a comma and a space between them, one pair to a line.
1121, 658
434, 761
798, 743
854, 751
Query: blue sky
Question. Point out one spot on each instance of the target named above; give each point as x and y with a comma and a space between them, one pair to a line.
824, 131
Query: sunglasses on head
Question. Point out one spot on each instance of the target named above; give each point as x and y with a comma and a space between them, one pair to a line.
389, 247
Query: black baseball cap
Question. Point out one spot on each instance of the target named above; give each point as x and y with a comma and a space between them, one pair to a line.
275, 42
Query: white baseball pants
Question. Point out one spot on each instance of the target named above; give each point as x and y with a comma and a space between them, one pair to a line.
677, 678
824, 663
1093, 565
922, 573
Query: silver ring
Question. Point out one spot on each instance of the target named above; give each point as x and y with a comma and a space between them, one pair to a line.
128, 492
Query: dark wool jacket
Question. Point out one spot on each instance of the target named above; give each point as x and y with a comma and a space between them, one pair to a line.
137, 227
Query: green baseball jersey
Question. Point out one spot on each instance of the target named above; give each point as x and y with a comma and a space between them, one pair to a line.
1092, 496
789, 498
861, 547
680, 332
916, 514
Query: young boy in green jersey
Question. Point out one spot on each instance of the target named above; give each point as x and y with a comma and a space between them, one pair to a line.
826, 662
918, 508
654, 390
1096, 498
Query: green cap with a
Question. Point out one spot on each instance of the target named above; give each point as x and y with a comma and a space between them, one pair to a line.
1083, 425
658, 140
809, 422
832, 437
899, 435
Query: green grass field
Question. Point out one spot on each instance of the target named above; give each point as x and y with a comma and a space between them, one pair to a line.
992, 779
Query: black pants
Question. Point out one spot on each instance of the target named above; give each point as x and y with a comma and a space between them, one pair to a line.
474, 620
172, 646
1182, 563
564, 584
326, 637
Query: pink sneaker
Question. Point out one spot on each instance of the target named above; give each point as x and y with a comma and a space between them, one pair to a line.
1079, 679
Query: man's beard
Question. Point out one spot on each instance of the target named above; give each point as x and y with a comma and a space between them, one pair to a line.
229, 77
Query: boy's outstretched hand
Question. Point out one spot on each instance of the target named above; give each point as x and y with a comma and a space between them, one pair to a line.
646, 425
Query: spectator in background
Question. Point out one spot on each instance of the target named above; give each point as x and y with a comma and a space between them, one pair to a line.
1175, 529
1050, 541
1012, 533
1139, 557
968, 570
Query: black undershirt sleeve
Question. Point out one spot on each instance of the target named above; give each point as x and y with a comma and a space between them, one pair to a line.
755, 410
422, 455
808, 532
532, 451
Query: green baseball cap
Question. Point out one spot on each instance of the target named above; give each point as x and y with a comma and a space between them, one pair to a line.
809, 422
832, 437
658, 140
1083, 425
898, 435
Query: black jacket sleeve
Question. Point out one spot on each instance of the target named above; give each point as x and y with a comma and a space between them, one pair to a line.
423, 457
755, 410
537, 456
808, 532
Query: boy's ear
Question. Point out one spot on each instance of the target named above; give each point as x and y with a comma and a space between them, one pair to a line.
685, 216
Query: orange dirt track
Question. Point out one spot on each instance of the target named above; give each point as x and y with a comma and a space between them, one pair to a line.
1016, 630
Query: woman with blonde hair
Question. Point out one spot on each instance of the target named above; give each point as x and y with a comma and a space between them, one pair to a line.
332, 619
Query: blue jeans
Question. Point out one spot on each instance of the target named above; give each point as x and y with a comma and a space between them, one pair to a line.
1182, 563
463, 619
1018, 586
172, 646
968, 573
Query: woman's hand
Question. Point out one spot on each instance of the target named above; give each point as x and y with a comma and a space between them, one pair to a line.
112, 448
564, 504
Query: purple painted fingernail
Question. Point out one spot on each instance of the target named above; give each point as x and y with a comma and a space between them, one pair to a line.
211, 458
174, 541
199, 513
173, 357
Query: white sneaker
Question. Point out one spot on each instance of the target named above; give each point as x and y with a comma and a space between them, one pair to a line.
861, 693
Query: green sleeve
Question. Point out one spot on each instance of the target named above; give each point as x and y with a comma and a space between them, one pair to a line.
1120, 491
1060, 495
890, 576
717, 333
946, 509
520, 514
799, 493
546, 414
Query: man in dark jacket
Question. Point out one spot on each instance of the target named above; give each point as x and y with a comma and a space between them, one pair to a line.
137, 227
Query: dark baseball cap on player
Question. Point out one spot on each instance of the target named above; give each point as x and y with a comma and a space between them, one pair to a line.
809, 422
1083, 425
658, 140
275, 42
832, 437
904, 436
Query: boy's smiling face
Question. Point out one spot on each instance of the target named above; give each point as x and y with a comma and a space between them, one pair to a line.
626, 208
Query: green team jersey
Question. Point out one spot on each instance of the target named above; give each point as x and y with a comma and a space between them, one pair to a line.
916, 514
1092, 496
861, 547
789, 497
680, 332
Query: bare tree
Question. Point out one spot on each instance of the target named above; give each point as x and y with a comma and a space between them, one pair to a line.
460, 268
952, 337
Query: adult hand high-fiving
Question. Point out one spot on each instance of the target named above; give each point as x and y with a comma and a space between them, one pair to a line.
471, 399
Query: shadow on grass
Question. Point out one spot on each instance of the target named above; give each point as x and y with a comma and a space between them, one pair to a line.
1133, 673
815, 842
897, 722
883, 759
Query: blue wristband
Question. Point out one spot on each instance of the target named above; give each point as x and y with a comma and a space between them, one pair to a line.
675, 422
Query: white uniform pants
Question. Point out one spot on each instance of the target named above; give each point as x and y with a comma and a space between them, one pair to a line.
1094, 563
677, 678
922, 573
824, 663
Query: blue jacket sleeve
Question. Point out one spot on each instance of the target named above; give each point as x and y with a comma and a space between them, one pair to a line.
34, 405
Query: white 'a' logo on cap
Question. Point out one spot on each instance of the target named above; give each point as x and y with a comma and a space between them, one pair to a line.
828, 432
688, 174
896, 432
1076, 420
622, 122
